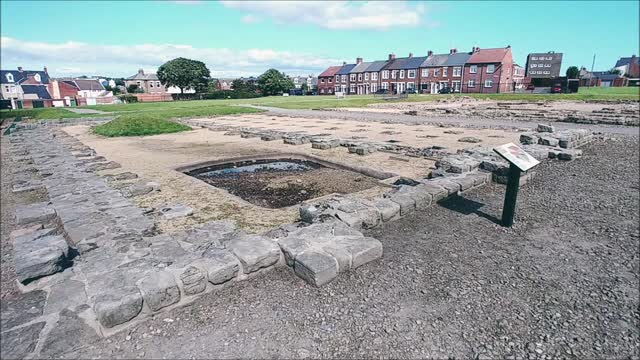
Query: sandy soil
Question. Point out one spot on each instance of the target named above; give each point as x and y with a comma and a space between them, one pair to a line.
156, 158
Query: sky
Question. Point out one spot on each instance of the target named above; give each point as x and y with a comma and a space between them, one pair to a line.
243, 38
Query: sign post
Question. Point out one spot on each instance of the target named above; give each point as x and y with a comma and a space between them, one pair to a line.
519, 161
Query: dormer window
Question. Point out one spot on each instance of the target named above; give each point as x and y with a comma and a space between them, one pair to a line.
37, 77
10, 77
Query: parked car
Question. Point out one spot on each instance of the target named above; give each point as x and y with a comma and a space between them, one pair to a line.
556, 89
382, 91
531, 87
445, 90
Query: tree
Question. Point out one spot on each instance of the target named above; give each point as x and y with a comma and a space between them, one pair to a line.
133, 88
274, 82
573, 72
615, 71
184, 74
304, 87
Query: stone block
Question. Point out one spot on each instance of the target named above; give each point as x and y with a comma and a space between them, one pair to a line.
315, 267
292, 246
451, 186
159, 289
39, 212
47, 257
117, 305
545, 128
437, 192
66, 295
465, 182
176, 211
102, 166
406, 202
529, 139
569, 155
254, 252
21, 342
389, 210
421, 196
121, 176
219, 264
362, 249
21, 309
548, 141
194, 280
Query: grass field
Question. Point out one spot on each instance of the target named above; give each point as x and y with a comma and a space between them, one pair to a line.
199, 108
139, 125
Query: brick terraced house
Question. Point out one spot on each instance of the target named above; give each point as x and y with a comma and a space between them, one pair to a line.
489, 71
325, 80
478, 71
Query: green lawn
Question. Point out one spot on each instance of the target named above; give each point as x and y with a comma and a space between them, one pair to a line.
139, 125
44, 113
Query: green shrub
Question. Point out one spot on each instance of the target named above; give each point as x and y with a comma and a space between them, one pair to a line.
139, 125
129, 99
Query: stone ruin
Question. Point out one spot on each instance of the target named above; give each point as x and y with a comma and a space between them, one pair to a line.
100, 260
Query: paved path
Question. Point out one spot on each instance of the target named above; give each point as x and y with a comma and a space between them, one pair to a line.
85, 111
461, 121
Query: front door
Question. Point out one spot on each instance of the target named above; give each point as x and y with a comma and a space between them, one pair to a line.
434, 88
400, 88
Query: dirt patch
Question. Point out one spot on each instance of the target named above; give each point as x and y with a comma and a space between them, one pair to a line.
281, 183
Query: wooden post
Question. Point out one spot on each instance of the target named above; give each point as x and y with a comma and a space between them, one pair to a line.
511, 196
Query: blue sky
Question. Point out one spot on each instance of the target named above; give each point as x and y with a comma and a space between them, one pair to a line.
115, 38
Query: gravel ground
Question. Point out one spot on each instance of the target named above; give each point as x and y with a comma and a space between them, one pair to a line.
462, 121
452, 283
8, 286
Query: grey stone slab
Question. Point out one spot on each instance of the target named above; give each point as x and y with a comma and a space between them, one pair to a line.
451, 186
166, 249
421, 197
406, 202
194, 280
465, 182
545, 128
437, 192
66, 295
121, 176
389, 210
292, 246
18, 343
159, 289
137, 190
362, 249
39, 263
529, 139
22, 309
254, 252
549, 141
69, 333
315, 267
220, 265
176, 211
118, 306
39, 212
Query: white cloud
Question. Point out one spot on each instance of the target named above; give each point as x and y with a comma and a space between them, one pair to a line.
375, 15
250, 19
76, 58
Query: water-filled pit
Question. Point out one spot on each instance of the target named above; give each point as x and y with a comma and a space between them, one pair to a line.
277, 183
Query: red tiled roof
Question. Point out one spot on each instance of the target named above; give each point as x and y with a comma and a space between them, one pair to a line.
331, 71
489, 55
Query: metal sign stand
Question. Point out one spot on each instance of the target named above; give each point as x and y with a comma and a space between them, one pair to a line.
511, 196
519, 161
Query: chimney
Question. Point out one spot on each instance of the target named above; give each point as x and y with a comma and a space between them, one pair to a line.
509, 47
392, 57
344, 63
429, 53
45, 70
141, 71
410, 55
359, 60
476, 48
20, 68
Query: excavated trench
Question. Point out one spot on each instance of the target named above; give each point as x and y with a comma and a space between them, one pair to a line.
282, 182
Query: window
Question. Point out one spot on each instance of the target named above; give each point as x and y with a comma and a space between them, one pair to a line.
374, 87
337, 78
472, 83
534, 58
394, 73
330, 80
374, 76
37, 77
425, 72
411, 74
401, 74
330, 91
457, 71
359, 77
366, 76
491, 68
352, 88
384, 85
10, 77
411, 86
547, 65
488, 83
138, 83
534, 65
344, 78
547, 72
549, 58
321, 91
321, 81
157, 83
6, 88
352, 77
151, 84
473, 69
436, 72
444, 71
